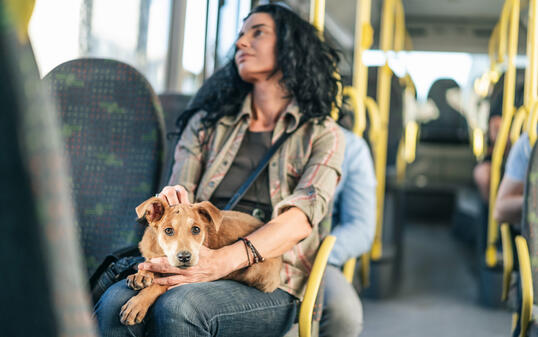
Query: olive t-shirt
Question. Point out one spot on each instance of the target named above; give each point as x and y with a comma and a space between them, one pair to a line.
253, 147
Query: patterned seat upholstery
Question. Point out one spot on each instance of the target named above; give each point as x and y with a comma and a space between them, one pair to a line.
112, 126
43, 289
174, 105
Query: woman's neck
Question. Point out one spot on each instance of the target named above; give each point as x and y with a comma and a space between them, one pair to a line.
268, 102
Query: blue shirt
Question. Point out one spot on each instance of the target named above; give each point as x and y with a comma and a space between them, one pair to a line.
354, 211
518, 159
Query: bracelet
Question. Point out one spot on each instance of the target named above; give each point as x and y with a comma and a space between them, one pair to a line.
246, 250
257, 256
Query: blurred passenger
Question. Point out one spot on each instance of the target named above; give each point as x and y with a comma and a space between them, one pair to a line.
353, 224
509, 203
482, 171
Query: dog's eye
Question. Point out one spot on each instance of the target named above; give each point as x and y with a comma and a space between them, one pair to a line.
169, 231
195, 230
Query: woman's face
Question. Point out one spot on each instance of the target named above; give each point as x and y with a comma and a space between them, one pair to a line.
256, 48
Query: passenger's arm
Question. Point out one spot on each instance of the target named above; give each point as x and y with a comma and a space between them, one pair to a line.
509, 204
355, 227
296, 217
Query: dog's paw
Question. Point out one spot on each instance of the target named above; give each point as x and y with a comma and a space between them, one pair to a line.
140, 280
134, 311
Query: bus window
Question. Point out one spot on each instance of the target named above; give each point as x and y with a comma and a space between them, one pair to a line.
61, 30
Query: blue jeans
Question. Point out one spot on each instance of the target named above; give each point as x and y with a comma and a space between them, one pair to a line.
219, 308
342, 309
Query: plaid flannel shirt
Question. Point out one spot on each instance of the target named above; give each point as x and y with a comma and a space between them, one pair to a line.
303, 173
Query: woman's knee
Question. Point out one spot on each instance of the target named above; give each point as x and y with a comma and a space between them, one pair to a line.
107, 309
185, 304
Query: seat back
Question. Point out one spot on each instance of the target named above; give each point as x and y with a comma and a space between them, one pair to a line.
43, 290
529, 225
113, 129
450, 126
173, 104
395, 128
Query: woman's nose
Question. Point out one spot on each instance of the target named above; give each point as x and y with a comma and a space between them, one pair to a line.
242, 42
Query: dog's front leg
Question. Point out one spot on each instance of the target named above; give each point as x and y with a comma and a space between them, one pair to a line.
140, 280
134, 311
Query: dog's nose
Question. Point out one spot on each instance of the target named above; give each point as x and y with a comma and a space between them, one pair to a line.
184, 256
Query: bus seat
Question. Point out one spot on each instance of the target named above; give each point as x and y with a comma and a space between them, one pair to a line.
395, 113
43, 290
113, 130
173, 105
528, 258
450, 126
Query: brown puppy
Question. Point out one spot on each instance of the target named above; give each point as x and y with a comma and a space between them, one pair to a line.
178, 232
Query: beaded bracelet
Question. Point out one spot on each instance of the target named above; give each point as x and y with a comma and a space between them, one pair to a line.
256, 255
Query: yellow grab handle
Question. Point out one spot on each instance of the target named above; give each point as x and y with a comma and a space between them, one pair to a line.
511, 11
411, 134
312, 286
478, 142
349, 269
533, 124
359, 113
508, 259
517, 124
527, 291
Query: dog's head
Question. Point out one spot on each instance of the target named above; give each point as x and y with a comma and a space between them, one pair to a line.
181, 229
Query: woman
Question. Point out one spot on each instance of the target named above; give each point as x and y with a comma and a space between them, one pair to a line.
281, 72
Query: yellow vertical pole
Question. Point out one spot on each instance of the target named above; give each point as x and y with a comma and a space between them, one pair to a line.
317, 19
531, 77
512, 8
363, 41
317, 14
383, 98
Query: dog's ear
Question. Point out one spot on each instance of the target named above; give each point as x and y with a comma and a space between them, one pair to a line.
151, 210
210, 213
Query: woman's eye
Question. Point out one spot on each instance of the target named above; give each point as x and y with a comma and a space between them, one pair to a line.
195, 230
257, 33
169, 231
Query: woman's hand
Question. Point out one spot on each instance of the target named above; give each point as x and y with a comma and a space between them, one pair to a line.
212, 265
174, 195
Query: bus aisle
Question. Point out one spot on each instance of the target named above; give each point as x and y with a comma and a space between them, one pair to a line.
438, 295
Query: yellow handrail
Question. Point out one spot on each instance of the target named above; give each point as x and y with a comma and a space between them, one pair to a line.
392, 25
533, 115
363, 40
358, 110
531, 77
410, 144
511, 11
375, 122
313, 285
478, 142
349, 269
317, 19
517, 124
527, 292
508, 259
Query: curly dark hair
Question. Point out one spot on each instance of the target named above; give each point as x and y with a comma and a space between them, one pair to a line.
308, 66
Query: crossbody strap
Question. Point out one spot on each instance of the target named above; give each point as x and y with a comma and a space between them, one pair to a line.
261, 166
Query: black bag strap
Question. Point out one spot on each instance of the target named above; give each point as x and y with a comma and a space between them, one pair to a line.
261, 166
